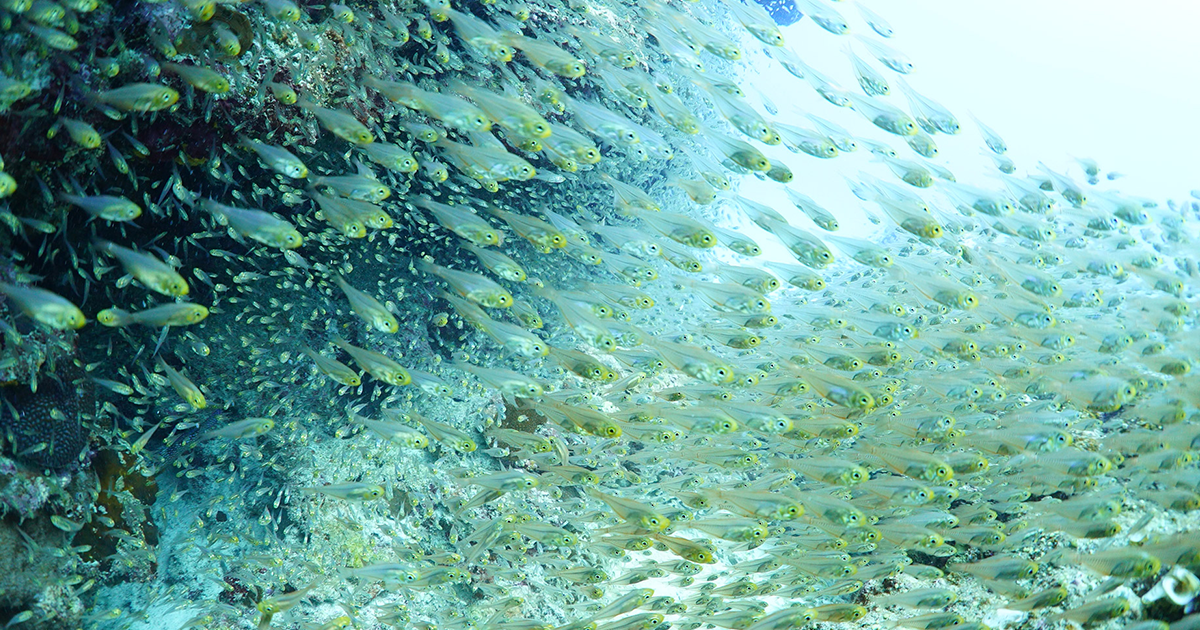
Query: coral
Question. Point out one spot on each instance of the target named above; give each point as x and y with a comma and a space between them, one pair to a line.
124, 494
27, 574
21, 494
43, 428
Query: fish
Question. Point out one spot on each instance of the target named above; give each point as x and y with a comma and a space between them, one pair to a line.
176, 314
546, 55
199, 77
155, 274
241, 429
363, 186
451, 110
256, 225
369, 309
509, 113
506, 381
883, 115
480, 36
339, 122
278, 159
139, 97
334, 369
544, 236
391, 156
182, 385
499, 264
44, 306
349, 491
107, 207
461, 221
81, 133
376, 364
472, 286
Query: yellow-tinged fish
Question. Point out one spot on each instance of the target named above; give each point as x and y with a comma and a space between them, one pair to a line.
582, 320
378, 365
391, 157
371, 310
486, 163
182, 385
177, 314
682, 229
583, 364
282, 10
583, 418
363, 186
277, 159
81, 133
333, 368
511, 337
340, 123
806, 247
199, 77
741, 153
440, 431
730, 297
44, 306
694, 362
452, 110
599, 121
507, 381
643, 516
242, 429
546, 55
107, 207
155, 274
472, 286
260, 226
762, 26
282, 92
338, 213
797, 276
543, 235
480, 36
460, 220
351, 491
565, 141
8, 185
1095, 611
885, 116
499, 264
526, 314
139, 97
606, 47
508, 112
394, 432
628, 198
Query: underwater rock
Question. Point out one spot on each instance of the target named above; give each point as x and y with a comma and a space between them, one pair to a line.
785, 12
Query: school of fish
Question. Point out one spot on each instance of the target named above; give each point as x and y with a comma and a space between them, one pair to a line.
450, 315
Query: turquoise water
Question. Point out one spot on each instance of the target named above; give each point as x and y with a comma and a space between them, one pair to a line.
572, 315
